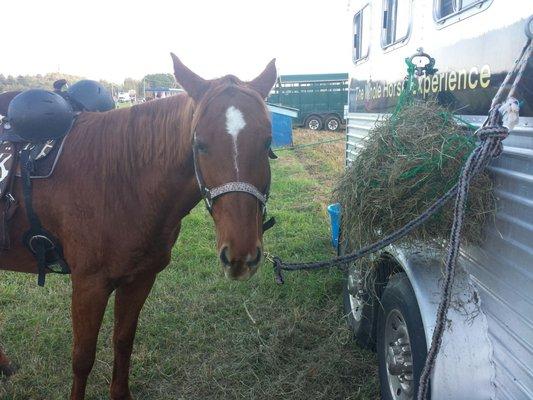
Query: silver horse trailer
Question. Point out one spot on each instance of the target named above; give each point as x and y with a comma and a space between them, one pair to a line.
487, 349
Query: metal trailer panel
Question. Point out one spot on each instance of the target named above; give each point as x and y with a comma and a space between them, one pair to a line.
357, 128
501, 270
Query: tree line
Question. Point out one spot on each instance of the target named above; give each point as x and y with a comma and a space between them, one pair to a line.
23, 82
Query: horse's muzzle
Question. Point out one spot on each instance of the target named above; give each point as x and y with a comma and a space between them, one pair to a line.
240, 267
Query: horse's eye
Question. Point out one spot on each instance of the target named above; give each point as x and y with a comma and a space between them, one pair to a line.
200, 147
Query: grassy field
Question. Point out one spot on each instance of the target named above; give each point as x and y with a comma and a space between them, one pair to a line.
202, 336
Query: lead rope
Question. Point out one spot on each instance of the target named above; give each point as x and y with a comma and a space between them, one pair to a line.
491, 135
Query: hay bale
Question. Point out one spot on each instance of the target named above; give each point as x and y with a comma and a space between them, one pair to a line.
407, 162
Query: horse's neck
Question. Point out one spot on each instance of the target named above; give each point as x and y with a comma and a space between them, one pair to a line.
159, 140
145, 152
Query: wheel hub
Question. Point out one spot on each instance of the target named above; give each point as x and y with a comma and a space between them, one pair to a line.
355, 290
333, 125
398, 357
314, 124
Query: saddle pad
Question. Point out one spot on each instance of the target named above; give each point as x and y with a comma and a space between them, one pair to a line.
46, 155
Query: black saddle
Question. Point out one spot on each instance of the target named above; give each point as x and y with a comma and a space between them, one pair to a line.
31, 141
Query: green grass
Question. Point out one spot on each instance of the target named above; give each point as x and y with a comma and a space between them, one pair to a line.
125, 104
201, 336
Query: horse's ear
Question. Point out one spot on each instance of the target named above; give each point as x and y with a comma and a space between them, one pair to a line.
194, 85
264, 82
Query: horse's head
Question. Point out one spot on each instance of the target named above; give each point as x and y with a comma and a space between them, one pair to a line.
232, 137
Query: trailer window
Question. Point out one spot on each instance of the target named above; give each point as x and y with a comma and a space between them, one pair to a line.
396, 21
361, 34
446, 8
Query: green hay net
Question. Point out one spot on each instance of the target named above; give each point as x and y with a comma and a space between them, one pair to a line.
406, 163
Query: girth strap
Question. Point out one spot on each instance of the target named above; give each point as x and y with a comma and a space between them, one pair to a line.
44, 246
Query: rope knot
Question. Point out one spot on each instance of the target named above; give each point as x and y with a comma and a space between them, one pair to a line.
493, 129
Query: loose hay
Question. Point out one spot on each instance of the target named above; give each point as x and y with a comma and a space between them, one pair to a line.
407, 162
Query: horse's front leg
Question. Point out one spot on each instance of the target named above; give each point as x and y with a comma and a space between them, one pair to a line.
6, 368
89, 299
129, 299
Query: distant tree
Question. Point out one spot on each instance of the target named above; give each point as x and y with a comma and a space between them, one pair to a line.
23, 82
112, 87
160, 80
140, 88
131, 84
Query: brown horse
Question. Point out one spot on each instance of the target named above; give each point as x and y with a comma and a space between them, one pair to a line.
125, 180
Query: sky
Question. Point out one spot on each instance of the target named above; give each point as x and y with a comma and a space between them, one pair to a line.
115, 39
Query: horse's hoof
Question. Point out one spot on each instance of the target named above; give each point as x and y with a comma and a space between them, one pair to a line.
7, 370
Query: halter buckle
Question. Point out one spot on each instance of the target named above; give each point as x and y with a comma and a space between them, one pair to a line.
208, 199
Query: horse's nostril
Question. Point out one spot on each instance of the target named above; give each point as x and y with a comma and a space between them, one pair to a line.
224, 256
257, 260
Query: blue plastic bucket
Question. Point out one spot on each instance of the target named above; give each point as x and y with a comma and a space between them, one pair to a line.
334, 211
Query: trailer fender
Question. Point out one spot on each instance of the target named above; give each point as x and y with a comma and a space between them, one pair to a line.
464, 368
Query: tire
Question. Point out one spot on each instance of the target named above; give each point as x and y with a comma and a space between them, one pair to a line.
359, 310
332, 123
401, 341
358, 305
313, 122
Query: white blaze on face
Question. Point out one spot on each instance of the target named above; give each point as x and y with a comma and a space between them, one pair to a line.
234, 125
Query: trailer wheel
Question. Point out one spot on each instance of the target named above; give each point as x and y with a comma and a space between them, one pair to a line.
313, 122
332, 123
401, 342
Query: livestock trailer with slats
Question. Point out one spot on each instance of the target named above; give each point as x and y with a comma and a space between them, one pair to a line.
487, 350
320, 98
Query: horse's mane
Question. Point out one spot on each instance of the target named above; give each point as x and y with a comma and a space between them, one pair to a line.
153, 134
121, 142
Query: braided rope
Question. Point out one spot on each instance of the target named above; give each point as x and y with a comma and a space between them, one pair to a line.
519, 66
